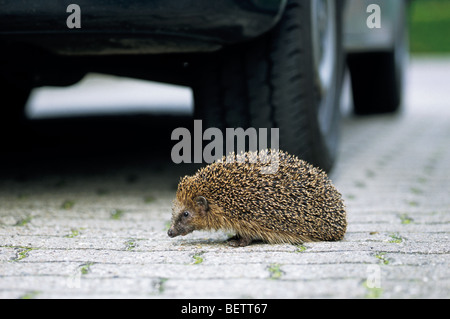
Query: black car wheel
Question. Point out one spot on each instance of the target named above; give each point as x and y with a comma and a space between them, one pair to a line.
289, 79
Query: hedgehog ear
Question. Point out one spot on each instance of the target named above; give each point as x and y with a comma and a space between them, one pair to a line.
202, 202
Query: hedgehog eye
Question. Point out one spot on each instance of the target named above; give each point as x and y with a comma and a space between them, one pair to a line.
185, 213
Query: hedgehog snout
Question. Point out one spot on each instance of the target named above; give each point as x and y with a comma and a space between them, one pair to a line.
171, 232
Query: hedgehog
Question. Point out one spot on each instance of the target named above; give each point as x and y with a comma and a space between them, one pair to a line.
296, 203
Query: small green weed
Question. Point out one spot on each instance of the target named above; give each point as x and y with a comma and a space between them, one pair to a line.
86, 268
382, 257
197, 259
396, 239
117, 214
405, 219
275, 271
67, 204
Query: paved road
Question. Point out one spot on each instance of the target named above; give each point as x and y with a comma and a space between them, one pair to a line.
77, 223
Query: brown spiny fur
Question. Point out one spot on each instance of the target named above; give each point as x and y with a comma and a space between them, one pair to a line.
296, 204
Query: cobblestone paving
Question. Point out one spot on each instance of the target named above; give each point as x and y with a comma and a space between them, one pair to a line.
103, 235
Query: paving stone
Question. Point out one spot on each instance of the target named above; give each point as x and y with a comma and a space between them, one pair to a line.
104, 235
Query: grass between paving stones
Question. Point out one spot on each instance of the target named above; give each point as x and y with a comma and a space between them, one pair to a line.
23, 221
131, 243
86, 268
67, 204
412, 203
382, 257
73, 233
160, 285
149, 199
405, 219
300, 248
396, 238
22, 252
117, 214
275, 271
197, 258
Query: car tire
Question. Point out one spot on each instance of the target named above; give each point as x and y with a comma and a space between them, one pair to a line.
12, 114
377, 78
290, 78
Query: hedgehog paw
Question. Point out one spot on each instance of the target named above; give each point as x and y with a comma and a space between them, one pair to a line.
237, 241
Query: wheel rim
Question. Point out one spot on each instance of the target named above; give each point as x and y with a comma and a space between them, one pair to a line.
323, 19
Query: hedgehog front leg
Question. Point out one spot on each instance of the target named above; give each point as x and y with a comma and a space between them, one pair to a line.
239, 241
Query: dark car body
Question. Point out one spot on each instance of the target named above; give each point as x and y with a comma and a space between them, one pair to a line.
136, 26
250, 63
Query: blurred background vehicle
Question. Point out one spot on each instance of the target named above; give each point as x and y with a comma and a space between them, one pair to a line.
254, 63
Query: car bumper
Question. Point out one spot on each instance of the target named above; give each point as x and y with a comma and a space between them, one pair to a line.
138, 26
